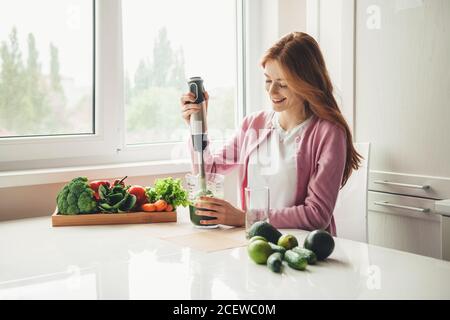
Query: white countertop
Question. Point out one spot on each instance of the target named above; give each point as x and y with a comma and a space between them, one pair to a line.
38, 261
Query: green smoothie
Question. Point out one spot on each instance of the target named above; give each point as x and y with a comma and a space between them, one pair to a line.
195, 219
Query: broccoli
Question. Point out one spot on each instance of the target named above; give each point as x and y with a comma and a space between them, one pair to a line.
76, 197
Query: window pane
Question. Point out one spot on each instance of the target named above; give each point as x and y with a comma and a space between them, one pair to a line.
46, 67
166, 42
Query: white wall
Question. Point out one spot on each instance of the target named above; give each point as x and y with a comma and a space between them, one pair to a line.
292, 15
335, 36
330, 38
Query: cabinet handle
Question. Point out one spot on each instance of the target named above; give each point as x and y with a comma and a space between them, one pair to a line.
396, 184
387, 204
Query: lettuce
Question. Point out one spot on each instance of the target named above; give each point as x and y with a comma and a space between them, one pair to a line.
169, 190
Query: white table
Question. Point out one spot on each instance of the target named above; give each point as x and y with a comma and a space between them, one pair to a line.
131, 262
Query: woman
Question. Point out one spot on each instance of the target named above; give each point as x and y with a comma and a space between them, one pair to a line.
308, 141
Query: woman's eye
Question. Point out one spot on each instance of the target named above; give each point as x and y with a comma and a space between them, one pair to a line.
268, 81
283, 86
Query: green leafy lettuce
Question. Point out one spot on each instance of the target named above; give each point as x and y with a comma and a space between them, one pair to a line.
169, 190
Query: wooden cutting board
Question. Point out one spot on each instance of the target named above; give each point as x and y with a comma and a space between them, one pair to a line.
59, 220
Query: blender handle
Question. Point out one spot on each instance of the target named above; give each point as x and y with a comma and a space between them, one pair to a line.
195, 91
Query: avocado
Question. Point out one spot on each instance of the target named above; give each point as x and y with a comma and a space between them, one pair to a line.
320, 242
266, 230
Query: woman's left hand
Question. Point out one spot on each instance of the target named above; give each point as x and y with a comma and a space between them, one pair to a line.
224, 212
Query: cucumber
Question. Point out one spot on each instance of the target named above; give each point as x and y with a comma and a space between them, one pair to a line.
275, 262
295, 260
277, 248
308, 254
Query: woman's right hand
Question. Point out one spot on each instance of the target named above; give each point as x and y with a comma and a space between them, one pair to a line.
187, 106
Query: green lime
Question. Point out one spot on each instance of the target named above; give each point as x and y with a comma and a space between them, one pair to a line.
288, 241
257, 238
259, 251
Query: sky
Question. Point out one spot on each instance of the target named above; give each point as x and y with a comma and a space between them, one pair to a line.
206, 29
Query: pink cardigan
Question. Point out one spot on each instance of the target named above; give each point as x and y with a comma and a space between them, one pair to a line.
321, 157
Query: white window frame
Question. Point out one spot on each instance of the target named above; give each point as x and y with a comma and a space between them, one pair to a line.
319, 28
107, 146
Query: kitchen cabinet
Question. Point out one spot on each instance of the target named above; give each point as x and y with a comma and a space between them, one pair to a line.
402, 81
404, 228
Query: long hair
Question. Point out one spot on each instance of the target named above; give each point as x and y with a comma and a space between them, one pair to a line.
303, 64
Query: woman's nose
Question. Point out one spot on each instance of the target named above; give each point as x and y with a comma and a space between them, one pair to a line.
273, 88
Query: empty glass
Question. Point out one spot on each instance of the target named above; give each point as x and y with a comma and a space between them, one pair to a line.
257, 201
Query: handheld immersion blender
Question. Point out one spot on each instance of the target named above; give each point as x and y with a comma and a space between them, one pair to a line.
198, 125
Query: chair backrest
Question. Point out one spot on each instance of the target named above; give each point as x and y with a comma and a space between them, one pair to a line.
350, 211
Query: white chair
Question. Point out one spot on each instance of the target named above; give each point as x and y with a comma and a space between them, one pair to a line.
350, 211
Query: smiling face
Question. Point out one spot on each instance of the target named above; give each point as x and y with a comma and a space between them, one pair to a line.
282, 97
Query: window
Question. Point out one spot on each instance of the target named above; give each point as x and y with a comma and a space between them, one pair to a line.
46, 68
166, 42
100, 81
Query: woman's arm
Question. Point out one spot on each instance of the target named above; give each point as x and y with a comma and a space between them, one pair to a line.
323, 188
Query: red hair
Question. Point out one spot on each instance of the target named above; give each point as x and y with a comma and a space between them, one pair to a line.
303, 65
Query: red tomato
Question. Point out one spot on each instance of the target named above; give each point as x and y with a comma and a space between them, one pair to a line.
139, 192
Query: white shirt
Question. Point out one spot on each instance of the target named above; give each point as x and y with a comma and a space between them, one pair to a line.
274, 164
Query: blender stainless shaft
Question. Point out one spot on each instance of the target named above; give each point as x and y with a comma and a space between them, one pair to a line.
200, 140
198, 126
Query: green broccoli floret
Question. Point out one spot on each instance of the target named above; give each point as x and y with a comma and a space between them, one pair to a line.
62, 195
86, 204
76, 197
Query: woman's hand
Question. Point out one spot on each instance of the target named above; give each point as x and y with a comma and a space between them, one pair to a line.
187, 106
224, 212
